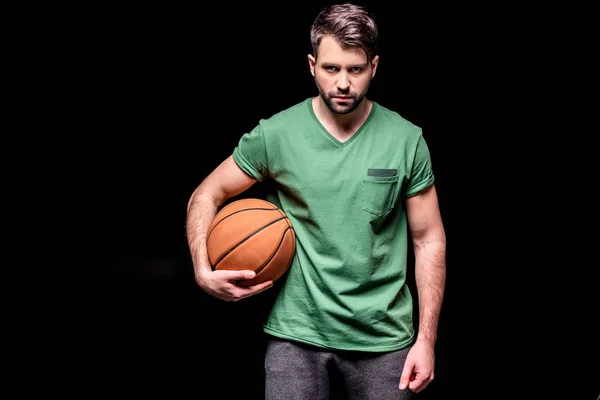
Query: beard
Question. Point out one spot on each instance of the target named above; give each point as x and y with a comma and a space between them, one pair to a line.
345, 108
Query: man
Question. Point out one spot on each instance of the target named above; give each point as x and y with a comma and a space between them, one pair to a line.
356, 181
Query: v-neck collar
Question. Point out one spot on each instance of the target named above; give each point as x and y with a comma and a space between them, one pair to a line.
324, 131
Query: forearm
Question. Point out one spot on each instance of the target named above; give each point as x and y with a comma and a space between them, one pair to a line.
201, 212
430, 278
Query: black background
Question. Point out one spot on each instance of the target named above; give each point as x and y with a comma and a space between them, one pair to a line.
163, 95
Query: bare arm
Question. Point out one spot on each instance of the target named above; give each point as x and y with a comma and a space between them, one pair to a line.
224, 182
429, 242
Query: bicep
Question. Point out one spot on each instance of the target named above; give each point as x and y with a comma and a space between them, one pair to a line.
424, 217
225, 181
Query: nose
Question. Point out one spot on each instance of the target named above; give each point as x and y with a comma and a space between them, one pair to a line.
343, 82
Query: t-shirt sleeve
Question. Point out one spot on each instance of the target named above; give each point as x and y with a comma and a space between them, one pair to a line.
421, 175
251, 155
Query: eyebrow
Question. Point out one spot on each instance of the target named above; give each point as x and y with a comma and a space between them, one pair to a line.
327, 64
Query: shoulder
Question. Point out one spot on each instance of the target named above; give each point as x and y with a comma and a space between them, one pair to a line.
283, 118
395, 123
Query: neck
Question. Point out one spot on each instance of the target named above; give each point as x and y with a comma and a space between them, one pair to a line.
344, 122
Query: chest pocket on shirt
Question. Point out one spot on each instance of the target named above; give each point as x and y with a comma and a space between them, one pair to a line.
378, 191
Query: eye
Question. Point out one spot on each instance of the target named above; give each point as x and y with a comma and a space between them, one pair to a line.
330, 68
356, 70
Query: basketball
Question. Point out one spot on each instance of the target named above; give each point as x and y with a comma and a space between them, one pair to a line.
252, 234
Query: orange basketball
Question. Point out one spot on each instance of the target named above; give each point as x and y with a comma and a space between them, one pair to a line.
252, 234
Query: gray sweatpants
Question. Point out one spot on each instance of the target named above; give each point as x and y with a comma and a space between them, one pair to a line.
295, 371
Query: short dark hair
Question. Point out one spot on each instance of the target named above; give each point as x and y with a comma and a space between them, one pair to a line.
351, 25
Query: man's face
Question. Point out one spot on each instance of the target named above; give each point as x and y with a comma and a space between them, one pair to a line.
342, 76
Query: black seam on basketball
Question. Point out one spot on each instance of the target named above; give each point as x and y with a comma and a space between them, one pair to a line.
239, 211
287, 220
281, 212
244, 240
275, 252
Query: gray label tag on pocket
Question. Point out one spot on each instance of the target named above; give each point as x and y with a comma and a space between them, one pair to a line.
382, 172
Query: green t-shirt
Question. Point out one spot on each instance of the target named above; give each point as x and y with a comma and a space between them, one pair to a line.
346, 288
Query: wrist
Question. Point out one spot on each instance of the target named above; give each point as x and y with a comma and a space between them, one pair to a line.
201, 273
428, 339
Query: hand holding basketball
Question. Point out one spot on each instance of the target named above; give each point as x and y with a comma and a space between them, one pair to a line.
224, 284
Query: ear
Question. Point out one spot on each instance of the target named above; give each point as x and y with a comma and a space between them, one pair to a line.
311, 64
374, 64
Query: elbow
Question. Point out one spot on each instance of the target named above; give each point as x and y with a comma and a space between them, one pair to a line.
430, 239
201, 197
